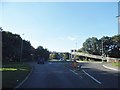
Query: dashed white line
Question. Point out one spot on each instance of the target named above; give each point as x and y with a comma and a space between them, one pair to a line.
75, 73
92, 77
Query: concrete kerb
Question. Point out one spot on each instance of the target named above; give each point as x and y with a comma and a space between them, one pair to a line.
24, 79
110, 68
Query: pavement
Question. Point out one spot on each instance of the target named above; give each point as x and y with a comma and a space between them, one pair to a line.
110, 66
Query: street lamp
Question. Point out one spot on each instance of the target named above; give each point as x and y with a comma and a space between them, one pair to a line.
1, 29
21, 49
118, 17
102, 51
118, 24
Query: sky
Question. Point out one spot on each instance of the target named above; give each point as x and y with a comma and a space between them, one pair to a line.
59, 26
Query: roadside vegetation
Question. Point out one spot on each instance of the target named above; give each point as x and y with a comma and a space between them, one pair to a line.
13, 74
15, 52
13, 44
109, 45
116, 64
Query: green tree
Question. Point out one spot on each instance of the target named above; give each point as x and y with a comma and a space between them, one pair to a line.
66, 56
41, 52
91, 46
109, 45
11, 47
114, 49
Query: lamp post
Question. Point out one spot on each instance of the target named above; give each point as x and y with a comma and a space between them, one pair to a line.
21, 49
118, 24
118, 17
102, 51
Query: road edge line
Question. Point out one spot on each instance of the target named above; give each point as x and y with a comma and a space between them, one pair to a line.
110, 68
92, 77
24, 79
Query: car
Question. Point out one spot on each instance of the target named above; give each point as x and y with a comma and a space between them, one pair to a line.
40, 61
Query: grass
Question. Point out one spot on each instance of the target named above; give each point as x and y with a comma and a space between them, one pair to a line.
13, 74
116, 64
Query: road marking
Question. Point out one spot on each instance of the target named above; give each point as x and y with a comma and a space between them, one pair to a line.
92, 77
20, 84
75, 73
111, 68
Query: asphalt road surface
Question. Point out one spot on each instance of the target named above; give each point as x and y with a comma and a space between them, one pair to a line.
62, 75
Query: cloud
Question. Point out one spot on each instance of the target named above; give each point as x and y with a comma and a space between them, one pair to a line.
71, 38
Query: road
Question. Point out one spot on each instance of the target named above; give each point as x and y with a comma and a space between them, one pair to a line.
61, 75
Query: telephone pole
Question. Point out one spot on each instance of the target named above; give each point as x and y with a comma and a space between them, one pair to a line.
102, 51
21, 49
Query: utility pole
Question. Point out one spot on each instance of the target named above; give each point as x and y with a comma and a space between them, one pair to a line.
21, 50
118, 17
102, 52
118, 24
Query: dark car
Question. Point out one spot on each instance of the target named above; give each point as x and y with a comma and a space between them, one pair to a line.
40, 60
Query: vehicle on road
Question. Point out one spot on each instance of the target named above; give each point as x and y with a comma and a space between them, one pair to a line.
41, 60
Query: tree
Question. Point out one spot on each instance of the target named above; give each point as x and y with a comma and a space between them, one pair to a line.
105, 43
66, 56
91, 46
41, 52
109, 45
11, 47
11, 44
114, 50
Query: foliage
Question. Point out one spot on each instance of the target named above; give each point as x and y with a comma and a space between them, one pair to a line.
62, 55
15, 49
41, 52
109, 45
54, 55
91, 46
66, 55
116, 64
11, 46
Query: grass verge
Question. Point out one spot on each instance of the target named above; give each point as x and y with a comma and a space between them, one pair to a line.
116, 64
13, 74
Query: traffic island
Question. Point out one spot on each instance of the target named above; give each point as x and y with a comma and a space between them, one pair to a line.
113, 66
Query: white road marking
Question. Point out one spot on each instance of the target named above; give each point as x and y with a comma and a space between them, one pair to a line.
111, 68
24, 79
75, 73
92, 77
